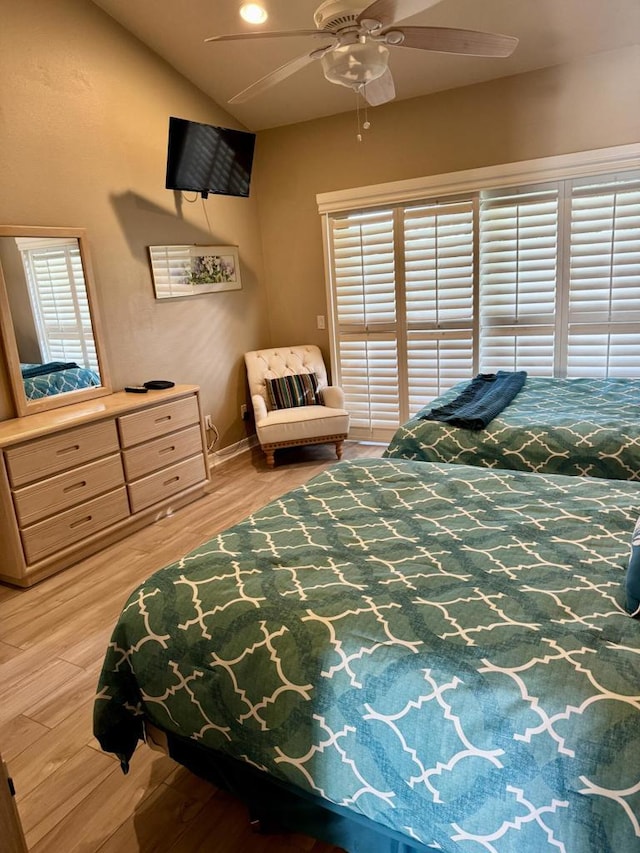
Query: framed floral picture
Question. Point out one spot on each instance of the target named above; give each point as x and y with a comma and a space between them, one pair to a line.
191, 270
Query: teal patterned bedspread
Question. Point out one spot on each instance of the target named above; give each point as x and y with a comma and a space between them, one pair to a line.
441, 648
59, 382
562, 426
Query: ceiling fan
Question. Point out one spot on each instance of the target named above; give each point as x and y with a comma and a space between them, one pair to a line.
356, 41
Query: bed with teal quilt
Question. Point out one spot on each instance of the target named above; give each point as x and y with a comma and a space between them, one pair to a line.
437, 657
44, 380
563, 426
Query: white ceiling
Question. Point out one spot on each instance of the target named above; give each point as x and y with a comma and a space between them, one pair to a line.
551, 32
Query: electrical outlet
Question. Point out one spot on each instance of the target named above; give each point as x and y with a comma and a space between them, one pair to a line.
208, 422
243, 412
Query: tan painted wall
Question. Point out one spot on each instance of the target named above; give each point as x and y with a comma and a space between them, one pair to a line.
587, 105
84, 112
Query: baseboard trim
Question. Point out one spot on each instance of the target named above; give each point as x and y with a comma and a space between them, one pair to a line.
233, 450
246, 444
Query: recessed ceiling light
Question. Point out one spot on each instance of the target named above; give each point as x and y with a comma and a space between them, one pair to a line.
253, 13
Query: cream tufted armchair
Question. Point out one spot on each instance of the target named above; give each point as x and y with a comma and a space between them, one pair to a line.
323, 422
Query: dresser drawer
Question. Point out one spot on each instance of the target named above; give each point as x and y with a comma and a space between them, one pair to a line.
166, 483
55, 494
158, 420
77, 524
45, 456
153, 455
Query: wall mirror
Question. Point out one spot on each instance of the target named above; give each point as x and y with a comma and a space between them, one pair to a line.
49, 318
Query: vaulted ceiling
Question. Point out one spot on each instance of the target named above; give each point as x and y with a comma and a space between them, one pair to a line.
551, 32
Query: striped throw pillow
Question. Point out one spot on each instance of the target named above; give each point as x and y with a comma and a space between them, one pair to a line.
299, 389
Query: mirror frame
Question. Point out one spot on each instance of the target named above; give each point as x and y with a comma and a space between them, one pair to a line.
55, 401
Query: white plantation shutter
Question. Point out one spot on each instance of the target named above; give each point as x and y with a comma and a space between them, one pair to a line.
59, 299
364, 269
518, 274
529, 348
369, 378
364, 284
439, 297
542, 278
436, 362
604, 277
608, 352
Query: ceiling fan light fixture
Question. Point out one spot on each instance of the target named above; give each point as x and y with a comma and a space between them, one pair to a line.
394, 37
253, 13
354, 65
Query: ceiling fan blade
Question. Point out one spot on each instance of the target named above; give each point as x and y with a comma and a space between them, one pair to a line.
279, 74
380, 90
449, 40
387, 12
272, 34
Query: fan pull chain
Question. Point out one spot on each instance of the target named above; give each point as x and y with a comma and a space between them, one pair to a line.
366, 124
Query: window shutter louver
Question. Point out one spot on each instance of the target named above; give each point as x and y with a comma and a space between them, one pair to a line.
362, 248
436, 363
594, 351
59, 299
528, 349
518, 274
369, 378
604, 280
364, 270
438, 254
439, 298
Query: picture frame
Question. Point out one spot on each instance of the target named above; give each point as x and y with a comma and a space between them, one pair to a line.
188, 270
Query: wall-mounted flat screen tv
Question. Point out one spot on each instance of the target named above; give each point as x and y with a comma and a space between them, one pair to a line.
209, 159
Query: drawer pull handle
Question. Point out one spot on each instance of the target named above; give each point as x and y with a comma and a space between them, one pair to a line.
71, 449
167, 449
75, 486
80, 521
165, 418
171, 480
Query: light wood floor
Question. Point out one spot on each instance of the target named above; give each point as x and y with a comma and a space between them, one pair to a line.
70, 795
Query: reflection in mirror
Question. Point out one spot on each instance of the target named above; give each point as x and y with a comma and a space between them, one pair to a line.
50, 325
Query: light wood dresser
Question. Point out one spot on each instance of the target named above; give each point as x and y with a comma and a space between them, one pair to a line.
76, 479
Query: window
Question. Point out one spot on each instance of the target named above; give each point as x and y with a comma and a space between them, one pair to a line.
518, 280
604, 278
439, 298
365, 298
543, 277
59, 300
406, 300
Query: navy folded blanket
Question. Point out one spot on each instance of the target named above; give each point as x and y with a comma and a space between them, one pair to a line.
481, 401
49, 367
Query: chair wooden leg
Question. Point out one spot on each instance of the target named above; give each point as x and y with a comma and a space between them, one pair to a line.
339, 449
270, 457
